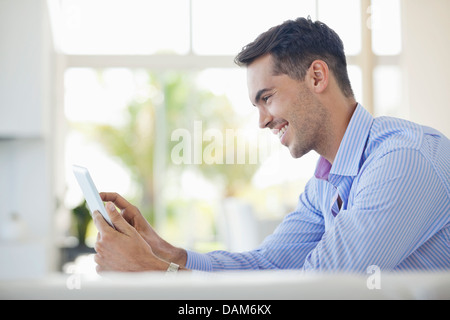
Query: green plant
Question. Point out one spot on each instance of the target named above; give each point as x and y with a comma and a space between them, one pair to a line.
82, 219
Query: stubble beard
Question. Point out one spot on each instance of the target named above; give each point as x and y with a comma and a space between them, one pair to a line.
310, 121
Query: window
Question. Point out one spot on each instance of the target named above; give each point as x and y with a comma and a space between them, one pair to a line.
385, 24
171, 62
122, 27
345, 18
386, 27
224, 27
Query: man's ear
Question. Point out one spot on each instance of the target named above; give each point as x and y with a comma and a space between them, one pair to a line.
319, 75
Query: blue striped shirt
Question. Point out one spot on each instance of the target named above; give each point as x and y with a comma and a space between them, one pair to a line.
384, 202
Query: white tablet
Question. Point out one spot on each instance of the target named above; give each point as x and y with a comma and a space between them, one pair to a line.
90, 192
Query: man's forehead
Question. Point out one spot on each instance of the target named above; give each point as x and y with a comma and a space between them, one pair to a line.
259, 75
262, 65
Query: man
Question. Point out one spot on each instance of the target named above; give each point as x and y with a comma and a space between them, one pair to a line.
379, 195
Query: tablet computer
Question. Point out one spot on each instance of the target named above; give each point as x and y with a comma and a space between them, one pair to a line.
90, 192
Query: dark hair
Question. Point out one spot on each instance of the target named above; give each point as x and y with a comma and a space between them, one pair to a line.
294, 45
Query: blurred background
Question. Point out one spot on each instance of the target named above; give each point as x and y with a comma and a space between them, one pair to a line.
145, 94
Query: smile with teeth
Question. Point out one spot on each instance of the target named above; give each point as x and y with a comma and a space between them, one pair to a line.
282, 131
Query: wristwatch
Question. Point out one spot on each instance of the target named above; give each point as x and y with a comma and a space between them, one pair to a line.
173, 268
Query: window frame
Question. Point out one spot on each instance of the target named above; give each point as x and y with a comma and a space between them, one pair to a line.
366, 60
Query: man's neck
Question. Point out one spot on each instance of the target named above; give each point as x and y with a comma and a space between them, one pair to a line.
341, 114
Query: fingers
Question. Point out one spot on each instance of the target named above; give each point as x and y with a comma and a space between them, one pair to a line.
118, 221
100, 222
102, 258
128, 211
116, 198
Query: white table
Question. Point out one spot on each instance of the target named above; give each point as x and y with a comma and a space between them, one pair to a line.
271, 285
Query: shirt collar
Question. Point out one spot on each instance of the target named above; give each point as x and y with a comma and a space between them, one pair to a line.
348, 158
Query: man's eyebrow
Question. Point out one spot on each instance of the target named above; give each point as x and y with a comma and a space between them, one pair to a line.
260, 93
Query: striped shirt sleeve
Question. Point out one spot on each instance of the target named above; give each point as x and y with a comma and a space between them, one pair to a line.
286, 248
392, 215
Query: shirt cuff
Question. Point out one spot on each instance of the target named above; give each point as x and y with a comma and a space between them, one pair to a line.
198, 261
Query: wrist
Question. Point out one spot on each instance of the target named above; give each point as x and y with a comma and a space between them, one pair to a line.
169, 253
169, 266
179, 256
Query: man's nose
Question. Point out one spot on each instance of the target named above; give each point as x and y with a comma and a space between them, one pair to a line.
264, 119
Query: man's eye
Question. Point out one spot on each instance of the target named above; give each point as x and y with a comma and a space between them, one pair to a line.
265, 99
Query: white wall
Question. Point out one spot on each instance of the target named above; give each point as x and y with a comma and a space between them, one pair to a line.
426, 35
25, 140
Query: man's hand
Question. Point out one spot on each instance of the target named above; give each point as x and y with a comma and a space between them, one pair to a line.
122, 249
133, 217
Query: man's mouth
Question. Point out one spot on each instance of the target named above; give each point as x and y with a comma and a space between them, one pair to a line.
283, 131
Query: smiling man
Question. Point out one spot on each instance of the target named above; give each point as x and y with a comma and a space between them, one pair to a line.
380, 195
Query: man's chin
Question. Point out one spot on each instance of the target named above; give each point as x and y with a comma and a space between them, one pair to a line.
297, 153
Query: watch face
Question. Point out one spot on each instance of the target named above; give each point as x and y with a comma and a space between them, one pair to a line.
173, 267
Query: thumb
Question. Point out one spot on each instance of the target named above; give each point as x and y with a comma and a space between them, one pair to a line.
116, 218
